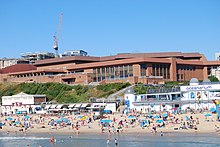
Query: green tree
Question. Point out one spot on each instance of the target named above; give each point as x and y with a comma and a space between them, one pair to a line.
213, 79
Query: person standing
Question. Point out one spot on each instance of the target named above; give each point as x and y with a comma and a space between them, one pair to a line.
116, 142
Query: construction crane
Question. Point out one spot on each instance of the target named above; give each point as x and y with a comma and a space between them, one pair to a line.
57, 35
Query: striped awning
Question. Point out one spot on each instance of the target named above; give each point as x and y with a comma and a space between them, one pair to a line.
59, 106
71, 105
53, 106
77, 105
84, 105
47, 107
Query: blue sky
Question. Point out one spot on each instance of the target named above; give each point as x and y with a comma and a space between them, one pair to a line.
108, 27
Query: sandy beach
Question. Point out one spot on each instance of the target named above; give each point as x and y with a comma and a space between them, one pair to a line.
116, 123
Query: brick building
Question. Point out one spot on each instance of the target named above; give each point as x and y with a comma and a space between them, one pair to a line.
145, 68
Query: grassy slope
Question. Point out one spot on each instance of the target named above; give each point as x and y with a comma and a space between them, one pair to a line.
60, 92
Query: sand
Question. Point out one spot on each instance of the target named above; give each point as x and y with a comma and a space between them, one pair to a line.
205, 125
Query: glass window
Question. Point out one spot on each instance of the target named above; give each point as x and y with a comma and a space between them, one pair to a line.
143, 69
112, 72
126, 70
121, 72
130, 71
116, 72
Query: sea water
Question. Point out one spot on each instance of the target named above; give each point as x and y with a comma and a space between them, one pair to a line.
124, 140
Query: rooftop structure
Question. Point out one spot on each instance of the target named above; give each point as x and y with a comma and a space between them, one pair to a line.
5, 62
74, 53
33, 57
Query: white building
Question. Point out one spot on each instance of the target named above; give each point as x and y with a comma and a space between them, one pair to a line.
195, 96
74, 53
5, 62
21, 103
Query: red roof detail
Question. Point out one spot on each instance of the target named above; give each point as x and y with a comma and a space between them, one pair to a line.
18, 68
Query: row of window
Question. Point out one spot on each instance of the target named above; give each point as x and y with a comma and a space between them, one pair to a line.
161, 70
113, 72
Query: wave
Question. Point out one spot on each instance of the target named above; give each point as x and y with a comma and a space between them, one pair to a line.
23, 138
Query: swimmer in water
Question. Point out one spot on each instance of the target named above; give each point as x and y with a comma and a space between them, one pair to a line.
52, 140
116, 142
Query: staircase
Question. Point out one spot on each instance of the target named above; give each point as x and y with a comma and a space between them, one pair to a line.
113, 96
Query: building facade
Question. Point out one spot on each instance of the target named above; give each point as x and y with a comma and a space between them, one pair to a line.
196, 96
5, 62
33, 57
21, 103
147, 68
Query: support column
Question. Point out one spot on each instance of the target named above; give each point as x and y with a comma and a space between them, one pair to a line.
205, 72
173, 71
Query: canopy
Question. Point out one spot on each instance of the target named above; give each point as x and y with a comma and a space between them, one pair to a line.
84, 105
71, 105
47, 107
78, 105
53, 106
59, 106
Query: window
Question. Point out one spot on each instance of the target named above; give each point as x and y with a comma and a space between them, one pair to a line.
112, 72
130, 71
121, 72
116, 72
126, 70
143, 69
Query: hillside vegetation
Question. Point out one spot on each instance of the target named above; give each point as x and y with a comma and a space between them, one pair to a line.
62, 93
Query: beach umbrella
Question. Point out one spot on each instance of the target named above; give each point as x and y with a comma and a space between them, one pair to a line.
131, 117
1, 124
156, 116
27, 117
64, 119
187, 118
149, 115
105, 121
16, 123
58, 121
159, 121
164, 115
51, 123
80, 116
83, 118
212, 110
10, 119
206, 115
